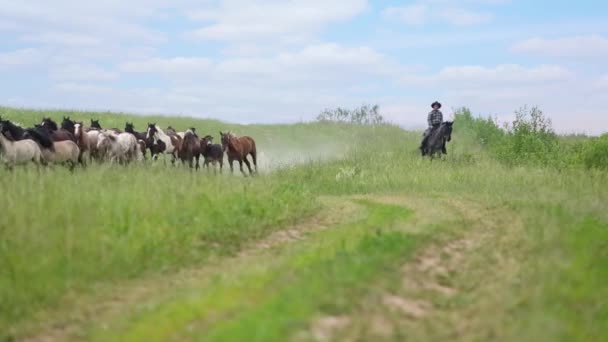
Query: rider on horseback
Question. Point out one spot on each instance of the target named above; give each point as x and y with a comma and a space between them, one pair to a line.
434, 119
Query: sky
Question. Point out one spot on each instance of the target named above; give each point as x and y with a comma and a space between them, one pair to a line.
284, 61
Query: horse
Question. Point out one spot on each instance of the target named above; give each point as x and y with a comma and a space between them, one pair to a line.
141, 151
156, 147
82, 140
96, 126
213, 153
68, 125
121, 148
11, 130
172, 143
18, 152
57, 134
190, 149
56, 152
93, 138
130, 128
438, 139
238, 149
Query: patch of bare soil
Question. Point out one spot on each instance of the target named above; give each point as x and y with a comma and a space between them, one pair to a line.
338, 212
449, 286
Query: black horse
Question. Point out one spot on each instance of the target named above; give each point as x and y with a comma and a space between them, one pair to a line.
95, 125
40, 134
68, 125
12, 131
212, 153
57, 134
436, 143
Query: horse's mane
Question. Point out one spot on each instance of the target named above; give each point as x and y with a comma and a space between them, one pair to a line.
41, 136
51, 124
15, 130
160, 130
68, 124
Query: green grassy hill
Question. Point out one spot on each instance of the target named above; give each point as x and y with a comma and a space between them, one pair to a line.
349, 234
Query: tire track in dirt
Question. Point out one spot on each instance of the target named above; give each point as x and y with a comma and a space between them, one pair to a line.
447, 289
114, 299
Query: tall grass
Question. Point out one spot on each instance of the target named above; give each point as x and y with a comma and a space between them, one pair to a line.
63, 233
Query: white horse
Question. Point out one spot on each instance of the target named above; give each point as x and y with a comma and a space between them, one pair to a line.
172, 142
19, 152
121, 148
93, 137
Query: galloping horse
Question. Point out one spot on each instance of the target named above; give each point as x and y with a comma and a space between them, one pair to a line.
437, 141
121, 148
18, 152
172, 143
68, 125
57, 134
12, 131
57, 152
190, 150
213, 153
95, 125
141, 137
238, 149
82, 140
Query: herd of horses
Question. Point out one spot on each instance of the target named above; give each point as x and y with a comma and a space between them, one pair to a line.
71, 143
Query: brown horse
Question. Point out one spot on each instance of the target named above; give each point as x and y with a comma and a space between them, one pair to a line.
190, 150
82, 140
238, 149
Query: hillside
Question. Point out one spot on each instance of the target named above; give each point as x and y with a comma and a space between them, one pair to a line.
347, 234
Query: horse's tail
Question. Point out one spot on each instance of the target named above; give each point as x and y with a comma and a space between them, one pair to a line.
42, 138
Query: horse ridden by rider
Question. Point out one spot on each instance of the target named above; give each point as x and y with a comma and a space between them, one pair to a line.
437, 133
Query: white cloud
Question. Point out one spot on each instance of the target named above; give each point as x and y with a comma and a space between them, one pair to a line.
425, 12
414, 15
20, 57
576, 47
246, 20
463, 17
602, 82
505, 74
177, 65
61, 38
83, 73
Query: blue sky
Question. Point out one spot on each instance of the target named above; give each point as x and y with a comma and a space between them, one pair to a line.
284, 61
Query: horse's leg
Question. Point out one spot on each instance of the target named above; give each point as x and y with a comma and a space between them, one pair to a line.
198, 162
254, 156
231, 162
248, 165
241, 167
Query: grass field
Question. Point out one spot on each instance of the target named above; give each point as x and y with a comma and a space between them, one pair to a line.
346, 234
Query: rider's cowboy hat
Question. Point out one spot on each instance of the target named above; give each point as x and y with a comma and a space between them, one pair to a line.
435, 104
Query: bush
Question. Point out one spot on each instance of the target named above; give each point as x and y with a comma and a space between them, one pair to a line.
485, 131
595, 153
530, 138
365, 115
